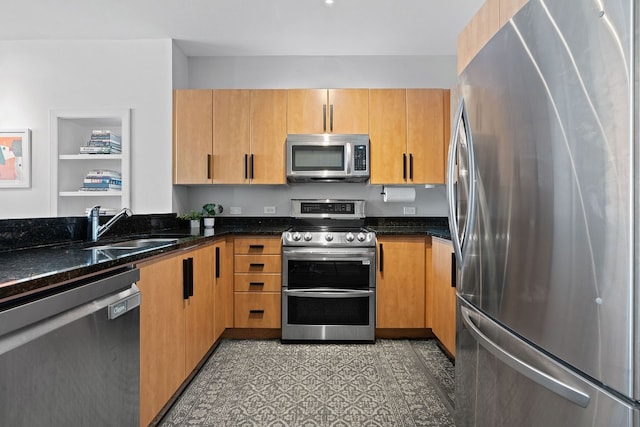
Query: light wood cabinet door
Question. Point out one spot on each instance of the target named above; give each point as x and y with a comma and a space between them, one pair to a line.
231, 142
444, 294
162, 335
388, 136
508, 8
306, 110
222, 288
484, 24
425, 135
198, 321
192, 136
348, 111
328, 111
401, 282
268, 136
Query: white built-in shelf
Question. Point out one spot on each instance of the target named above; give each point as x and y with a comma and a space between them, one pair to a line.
70, 130
90, 156
79, 193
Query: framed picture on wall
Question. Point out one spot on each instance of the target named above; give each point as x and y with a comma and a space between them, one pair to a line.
15, 158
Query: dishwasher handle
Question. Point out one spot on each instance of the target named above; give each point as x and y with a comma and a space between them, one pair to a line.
125, 305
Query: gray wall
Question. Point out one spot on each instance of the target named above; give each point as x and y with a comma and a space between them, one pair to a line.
280, 72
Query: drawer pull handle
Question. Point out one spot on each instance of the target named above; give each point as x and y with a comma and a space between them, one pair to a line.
256, 265
256, 246
256, 283
256, 311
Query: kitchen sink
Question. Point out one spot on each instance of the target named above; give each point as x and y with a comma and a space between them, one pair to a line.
134, 244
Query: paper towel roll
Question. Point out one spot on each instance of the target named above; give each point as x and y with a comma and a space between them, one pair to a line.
399, 194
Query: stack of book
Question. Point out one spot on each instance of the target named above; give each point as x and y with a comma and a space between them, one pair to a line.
102, 180
102, 142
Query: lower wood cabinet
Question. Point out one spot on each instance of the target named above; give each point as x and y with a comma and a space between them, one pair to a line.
182, 314
401, 282
444, 293
257, 282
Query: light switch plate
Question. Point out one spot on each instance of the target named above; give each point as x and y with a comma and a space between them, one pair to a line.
269, 209
235, 210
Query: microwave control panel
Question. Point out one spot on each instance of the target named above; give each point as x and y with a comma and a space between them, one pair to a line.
360, 158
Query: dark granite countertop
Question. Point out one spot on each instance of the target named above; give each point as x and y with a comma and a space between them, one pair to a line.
38, 255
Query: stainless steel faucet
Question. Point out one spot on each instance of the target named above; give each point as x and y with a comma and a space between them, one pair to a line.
95, 230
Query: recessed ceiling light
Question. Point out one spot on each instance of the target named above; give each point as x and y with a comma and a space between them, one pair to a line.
328, 1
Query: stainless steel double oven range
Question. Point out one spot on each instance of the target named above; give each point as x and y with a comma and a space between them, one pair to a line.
328, 273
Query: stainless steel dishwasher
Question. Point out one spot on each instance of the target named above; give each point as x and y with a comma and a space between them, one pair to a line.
72, 358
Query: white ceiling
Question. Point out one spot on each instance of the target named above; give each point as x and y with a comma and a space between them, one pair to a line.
250, 27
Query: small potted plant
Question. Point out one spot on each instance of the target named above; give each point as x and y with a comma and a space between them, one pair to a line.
209, 211
194, 217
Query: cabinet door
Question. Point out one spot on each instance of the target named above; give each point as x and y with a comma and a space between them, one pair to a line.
348, 111
401, 282
268, 136
484, 24
222, 288
307, 111
388, 135
231, 144
162, 335
508, 8
199, 321
192, 136
425, 136
444, 294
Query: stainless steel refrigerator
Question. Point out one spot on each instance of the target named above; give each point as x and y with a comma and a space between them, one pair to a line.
543, 187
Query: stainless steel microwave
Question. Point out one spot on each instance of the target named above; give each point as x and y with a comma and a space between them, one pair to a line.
327, 158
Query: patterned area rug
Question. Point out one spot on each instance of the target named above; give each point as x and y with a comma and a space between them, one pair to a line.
266, 383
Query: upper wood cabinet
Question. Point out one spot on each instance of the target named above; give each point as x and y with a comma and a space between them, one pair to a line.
407, 131
508, 8
268, 136
231, 141
401, 282
229, 136
328, 111
192, 136
491, 16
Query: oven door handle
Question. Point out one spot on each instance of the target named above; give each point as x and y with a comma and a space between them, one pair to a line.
327, 293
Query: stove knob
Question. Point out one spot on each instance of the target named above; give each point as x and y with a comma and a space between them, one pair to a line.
328, 237
307, 236
361, 237
296, 236
349, 237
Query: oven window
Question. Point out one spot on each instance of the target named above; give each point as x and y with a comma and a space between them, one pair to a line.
328, 274
328, 311
318, 157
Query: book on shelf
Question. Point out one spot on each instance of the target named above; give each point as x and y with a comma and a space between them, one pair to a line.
104, 172
99, 150
104, 181
105, 134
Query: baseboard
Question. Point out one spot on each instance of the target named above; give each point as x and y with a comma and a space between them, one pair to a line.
251, 333
399, 333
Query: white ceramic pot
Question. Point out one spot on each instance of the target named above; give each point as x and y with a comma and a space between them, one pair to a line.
209, 222
195, 223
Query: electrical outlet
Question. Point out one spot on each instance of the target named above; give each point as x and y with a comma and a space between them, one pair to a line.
409, 210
235, 210
269, 209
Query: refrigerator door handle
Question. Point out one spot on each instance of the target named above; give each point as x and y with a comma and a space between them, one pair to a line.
457, 240
545, 380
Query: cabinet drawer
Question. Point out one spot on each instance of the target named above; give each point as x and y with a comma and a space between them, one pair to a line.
257, 246
257, 263
257, 310
257, 282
